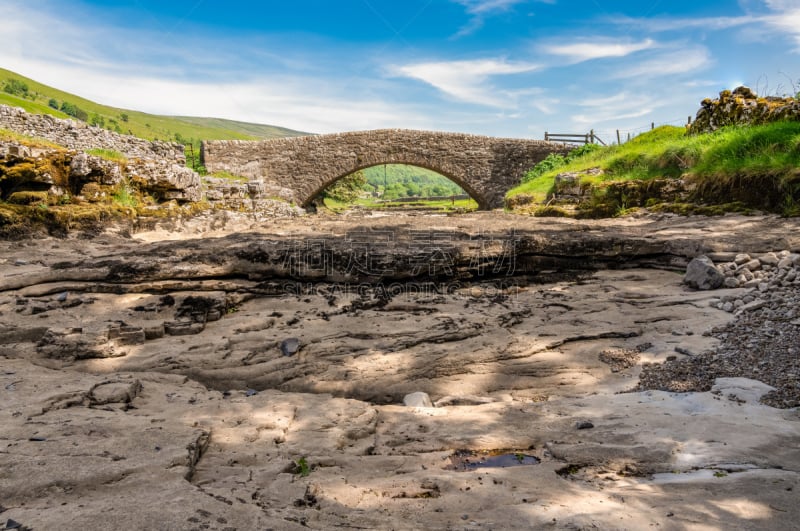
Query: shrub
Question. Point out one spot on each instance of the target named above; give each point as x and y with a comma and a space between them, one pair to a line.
581, 151
53, 103
16, 88
124, 196
97, 120
347, 189
73, 110
551, 162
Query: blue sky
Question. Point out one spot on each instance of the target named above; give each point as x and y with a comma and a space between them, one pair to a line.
496, 67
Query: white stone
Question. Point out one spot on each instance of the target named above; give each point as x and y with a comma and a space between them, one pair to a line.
418, 399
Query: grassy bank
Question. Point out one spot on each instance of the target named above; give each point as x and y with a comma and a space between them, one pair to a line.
757, 166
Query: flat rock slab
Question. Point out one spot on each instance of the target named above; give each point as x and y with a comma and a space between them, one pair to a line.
219, 429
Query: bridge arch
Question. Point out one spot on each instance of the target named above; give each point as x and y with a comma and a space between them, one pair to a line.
455, 179
485, 167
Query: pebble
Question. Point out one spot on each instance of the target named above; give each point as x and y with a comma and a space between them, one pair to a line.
760, 343
290, 346
584, 425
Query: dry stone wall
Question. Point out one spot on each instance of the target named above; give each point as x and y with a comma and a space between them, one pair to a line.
486, 167
743, 107
80, 136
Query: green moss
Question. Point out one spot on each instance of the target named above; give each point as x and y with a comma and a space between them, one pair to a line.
28, 198
551, 212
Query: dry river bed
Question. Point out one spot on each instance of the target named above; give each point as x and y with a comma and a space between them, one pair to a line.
253, 377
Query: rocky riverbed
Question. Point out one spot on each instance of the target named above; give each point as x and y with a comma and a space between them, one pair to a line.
255, 377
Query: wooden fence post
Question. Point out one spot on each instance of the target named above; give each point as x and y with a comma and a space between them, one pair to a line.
652, 125
618, 140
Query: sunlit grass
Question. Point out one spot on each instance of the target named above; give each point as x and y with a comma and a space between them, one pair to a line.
442, 205
771, 150
108, 154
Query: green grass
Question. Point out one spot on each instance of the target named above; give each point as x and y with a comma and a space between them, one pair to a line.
756, 159
125, 195
33, 107
26, 140
445, 205
143, 125
108, 154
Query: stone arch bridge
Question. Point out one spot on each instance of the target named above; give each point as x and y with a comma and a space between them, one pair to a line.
300, 168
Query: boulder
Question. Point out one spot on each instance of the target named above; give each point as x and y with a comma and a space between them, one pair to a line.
702, 274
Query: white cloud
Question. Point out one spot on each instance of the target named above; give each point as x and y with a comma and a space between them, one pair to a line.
598, 49
786, 19
782, 5
467, 80
658, 25
783, 16
291, 102
480, 9
674, 62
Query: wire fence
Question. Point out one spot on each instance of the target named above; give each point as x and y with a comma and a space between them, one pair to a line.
607, 137
620, 136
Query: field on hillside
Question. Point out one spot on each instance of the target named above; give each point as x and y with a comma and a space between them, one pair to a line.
34, 97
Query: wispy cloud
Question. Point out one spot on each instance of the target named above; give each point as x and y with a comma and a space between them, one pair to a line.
480, 9
674, 62
467, 80
664, 24
587, 49
782, 16
786, 19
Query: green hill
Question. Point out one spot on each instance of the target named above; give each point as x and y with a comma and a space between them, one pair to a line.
38, 98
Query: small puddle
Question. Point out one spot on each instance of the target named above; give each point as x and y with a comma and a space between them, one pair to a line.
463, 460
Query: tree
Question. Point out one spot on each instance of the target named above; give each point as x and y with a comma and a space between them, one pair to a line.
348, 188
124, 117
73, 110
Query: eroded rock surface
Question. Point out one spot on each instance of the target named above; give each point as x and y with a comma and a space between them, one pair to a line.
171, 381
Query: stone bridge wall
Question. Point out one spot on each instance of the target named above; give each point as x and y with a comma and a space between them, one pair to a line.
80, 136
485, 167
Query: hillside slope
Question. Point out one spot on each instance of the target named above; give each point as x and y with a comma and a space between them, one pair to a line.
38, 98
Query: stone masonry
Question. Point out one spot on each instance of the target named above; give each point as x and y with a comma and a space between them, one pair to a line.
485, 167
76, 135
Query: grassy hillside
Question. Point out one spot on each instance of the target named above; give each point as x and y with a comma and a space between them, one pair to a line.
757, 166
37, 97
401, 180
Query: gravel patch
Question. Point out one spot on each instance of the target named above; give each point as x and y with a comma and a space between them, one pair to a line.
762, 343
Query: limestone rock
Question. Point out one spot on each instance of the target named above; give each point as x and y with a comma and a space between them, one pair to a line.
115, 392
701, 274
88, 168
418, 399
